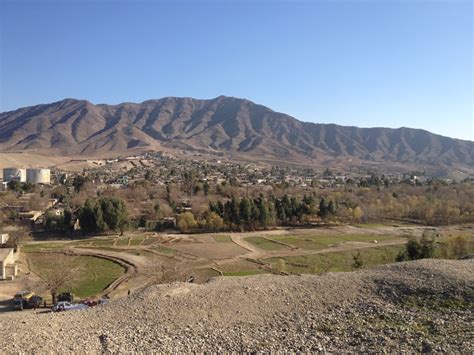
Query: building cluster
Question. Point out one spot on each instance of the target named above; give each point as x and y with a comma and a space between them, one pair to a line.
164, 170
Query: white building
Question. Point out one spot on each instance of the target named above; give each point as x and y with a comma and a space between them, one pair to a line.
10, 174
4, 238
38, 176
8, 268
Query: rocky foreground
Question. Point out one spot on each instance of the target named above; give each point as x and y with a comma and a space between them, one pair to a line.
416, 306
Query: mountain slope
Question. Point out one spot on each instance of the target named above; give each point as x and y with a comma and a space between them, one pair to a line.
72, 127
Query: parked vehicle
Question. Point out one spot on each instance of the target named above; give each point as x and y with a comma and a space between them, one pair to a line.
92, 303
66, 297
26, 299
68, 306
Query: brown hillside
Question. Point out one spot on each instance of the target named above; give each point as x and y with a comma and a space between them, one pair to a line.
236, 126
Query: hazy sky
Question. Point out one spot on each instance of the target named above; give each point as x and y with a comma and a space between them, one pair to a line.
363, 63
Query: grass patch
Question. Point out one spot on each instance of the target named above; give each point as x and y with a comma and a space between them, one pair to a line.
336, 261
163, 249
38, 247
82, 243
111, 248
86, 275
141, 252
150, 240
318, 242
136, 241
103, 243
371, 225
122, 242
244, 272
264, 244
222, 238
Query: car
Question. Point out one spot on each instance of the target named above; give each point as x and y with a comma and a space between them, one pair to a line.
68, 306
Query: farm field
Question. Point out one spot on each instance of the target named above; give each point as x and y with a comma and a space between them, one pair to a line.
266, 243
334, 261
318, 242
152, 257
85, 276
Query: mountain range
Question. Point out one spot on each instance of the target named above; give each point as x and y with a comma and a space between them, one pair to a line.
237, 127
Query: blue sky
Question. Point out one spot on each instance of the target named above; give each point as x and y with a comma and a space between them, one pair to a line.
362, 63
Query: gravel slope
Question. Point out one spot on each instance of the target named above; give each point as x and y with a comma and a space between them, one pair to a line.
416, 306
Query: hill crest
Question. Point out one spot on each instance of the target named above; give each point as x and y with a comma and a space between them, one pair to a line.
224, 124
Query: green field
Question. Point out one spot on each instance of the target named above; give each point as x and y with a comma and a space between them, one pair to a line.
222, 238
335, 261
318, 242
103, 243
135, 241
37, 247
85, 276
163, 249
265, 244
244, 272
122, 242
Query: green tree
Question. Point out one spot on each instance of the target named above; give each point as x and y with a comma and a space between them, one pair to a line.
14, 185
67, 218
323, 208
114, 213
100, 215
418, 249
149, 175
79, 182
157, 208
87, 216
245, 211
264, 215
331, 207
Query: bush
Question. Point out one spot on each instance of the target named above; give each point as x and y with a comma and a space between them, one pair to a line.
357, 261
214, 222
186, 221
418, 249
455, 248
459, 247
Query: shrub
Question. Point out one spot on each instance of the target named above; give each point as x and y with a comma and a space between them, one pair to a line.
186, 221
418, 249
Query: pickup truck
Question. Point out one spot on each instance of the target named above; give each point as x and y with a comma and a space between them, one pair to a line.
68, 306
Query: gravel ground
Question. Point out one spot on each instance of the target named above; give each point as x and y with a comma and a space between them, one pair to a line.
417, 306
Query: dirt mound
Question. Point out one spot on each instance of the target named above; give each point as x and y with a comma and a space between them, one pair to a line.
415, 306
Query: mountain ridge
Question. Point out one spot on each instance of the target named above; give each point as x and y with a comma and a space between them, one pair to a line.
223, 124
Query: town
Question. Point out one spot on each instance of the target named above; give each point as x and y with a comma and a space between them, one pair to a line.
157, 193
156, 189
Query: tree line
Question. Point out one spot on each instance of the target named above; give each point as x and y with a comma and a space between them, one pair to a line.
261, 213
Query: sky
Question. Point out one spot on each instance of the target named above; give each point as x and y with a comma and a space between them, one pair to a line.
367, 63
